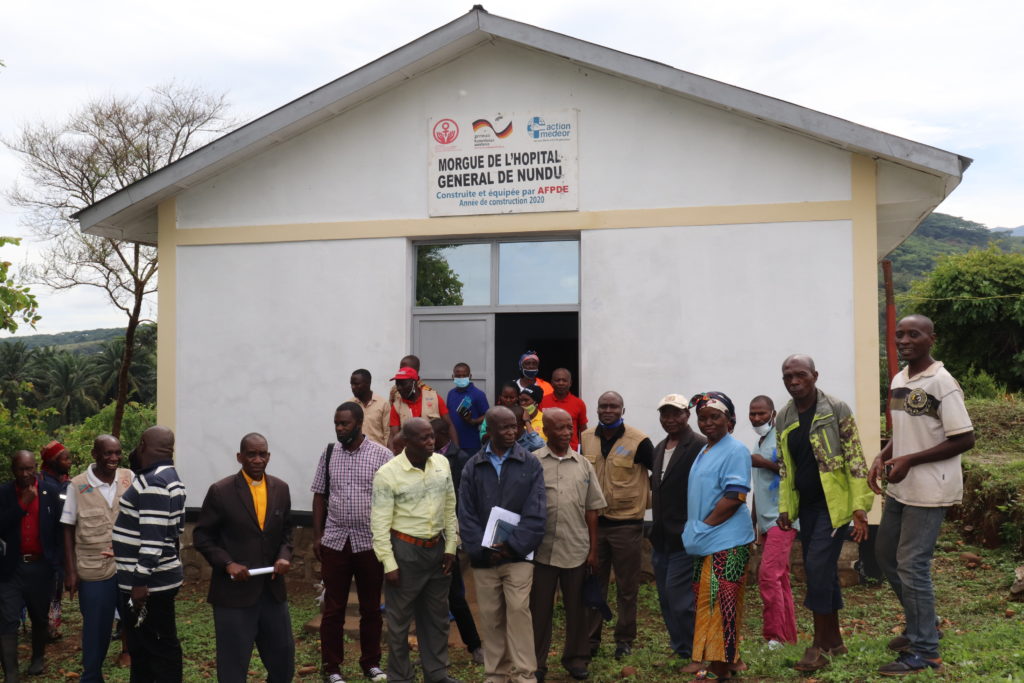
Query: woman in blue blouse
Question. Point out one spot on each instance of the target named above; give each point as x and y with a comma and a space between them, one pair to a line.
718, 532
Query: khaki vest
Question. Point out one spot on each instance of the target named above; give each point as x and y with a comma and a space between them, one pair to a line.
624, 483
430, 409
93, 552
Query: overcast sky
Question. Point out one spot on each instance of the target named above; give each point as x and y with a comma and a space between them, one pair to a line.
947, 74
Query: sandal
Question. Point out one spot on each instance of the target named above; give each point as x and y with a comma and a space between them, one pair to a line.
693, 667
705, 675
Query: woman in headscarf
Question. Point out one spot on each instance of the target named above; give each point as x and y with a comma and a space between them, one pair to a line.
529, 399
719, 532
529, 367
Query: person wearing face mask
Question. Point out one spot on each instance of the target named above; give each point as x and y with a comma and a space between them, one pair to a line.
529, 368
621, 456
527, 438
467, 406
779, 617
343, 542
529, 400
412, 399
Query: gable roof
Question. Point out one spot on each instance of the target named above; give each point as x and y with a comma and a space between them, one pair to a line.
130, 213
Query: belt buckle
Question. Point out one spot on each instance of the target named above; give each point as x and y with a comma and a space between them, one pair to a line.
27, 558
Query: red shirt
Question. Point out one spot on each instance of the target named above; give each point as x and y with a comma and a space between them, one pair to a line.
417, 409
30, 543
576, 408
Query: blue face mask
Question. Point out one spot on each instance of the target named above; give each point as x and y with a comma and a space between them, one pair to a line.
530, 373
614, 425
461, 382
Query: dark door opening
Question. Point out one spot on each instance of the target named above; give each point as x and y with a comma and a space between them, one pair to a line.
554, 336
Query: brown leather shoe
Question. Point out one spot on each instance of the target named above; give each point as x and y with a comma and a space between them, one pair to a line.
833, 651
814, 658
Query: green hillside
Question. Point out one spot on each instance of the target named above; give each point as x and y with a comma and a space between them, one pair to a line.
81, 341
939, 234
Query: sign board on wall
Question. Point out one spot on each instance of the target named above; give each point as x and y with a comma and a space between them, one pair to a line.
505, 163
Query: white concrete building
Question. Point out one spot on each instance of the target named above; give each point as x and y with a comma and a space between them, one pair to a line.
656, 231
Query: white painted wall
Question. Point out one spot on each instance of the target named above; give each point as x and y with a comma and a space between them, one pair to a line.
639, 148
691, 309
268, 335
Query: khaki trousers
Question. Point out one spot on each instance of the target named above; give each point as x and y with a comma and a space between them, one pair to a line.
503, 599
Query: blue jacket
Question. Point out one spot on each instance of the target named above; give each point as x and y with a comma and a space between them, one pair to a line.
50, 532
520, 490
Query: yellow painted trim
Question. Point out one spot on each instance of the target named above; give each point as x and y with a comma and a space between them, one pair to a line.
167, 329
518, 223
865, 307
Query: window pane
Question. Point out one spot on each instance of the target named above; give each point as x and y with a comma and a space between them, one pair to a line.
453, 275
539, 273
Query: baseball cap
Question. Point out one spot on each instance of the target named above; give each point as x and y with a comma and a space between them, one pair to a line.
674, 400
406, 373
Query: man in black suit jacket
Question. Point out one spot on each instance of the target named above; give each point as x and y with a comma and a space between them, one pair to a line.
670, 476
245, 524
28, 561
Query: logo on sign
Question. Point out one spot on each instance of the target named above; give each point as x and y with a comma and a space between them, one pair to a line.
539, 129
445, 131
484, 123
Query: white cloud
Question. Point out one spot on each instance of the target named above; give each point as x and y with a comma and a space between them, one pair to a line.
942, 73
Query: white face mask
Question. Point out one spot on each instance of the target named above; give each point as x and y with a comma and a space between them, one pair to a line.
762, 430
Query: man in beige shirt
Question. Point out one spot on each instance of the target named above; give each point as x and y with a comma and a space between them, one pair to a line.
376, 409
412, 518
568, 551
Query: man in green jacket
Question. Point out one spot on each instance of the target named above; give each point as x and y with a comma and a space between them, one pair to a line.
823, 484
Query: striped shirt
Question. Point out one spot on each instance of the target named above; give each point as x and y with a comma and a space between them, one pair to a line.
146, 532
348, 505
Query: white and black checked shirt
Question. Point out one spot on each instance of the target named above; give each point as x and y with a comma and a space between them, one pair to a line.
348, 506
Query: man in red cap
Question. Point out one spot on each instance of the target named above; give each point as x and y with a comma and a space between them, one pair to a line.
55, 469
412, 399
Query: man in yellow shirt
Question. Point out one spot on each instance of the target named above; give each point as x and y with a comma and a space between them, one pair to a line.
245, 523
412, 519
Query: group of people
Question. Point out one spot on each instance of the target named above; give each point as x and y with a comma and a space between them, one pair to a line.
110, 536
534, 501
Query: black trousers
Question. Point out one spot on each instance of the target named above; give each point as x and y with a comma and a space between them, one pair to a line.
153, 645
459, 608
268, 625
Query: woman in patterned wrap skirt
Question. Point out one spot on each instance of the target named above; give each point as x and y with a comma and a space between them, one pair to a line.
719, 532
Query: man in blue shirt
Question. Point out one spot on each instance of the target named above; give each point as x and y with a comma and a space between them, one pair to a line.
467, 406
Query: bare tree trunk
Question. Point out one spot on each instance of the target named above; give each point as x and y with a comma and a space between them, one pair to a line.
126, 363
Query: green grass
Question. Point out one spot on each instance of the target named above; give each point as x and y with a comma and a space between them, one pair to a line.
982, 643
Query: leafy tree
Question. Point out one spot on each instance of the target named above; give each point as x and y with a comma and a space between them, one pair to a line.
105, 146
436, 283
142, 376
977, 303
17, 303
71, 386
16, 372
79, 437
22, 428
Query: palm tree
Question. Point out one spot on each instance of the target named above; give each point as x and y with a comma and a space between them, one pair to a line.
71, 386
15, 372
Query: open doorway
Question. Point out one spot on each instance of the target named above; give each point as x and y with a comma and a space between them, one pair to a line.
554, 336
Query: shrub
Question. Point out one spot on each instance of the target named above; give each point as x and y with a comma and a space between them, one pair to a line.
980, 384
79, 438
23, 428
